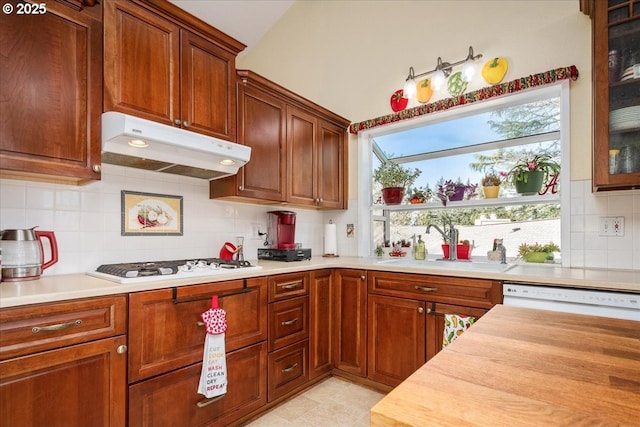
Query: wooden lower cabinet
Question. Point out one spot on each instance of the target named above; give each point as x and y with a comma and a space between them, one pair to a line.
350, 321
320, 323
64, 363
403, 334
77, 386
172, 399
396, 341
406, 318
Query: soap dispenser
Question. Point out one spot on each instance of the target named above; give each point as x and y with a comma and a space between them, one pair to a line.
420, 251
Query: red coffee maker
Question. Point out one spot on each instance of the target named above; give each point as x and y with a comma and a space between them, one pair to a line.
281, 239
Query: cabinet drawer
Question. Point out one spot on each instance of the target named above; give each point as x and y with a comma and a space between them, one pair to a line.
155, 402
454, 290
288, 285
166, 330
288, 369
34, 328
288, 322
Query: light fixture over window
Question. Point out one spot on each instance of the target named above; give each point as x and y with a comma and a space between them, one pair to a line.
441, 72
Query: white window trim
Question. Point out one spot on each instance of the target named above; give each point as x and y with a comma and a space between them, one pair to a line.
561, 89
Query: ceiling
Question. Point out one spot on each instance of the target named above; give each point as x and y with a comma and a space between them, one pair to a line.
244, 20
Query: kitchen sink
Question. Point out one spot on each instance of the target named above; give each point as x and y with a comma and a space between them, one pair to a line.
465, 265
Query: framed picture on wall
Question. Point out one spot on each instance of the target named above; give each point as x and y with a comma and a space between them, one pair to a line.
147, 214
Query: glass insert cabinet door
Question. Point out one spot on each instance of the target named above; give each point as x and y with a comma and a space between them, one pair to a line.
616, 40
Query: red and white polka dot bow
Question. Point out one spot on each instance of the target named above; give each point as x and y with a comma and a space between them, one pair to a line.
215, 319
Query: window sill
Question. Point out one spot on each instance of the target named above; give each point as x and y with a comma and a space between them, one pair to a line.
473, 203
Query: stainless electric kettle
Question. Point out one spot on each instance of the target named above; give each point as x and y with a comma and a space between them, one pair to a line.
23, 253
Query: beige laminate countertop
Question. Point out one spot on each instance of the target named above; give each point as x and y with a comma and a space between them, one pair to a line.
73, 286
525, 367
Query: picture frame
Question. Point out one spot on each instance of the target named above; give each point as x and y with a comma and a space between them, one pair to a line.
148, 214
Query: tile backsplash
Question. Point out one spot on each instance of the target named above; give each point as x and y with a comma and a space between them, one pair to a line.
588, 248
87, 219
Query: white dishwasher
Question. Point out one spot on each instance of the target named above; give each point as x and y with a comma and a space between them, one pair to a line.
580, 301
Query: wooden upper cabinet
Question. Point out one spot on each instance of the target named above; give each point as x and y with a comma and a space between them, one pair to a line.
616, 93
332, 166
302, 131
159, 67
141, 63
316, 161
299, 149
261, 126
208, 87
51, 93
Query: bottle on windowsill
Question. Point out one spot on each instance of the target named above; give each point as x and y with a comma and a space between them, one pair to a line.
420, 251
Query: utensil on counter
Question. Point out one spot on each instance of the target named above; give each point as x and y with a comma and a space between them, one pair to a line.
23, 253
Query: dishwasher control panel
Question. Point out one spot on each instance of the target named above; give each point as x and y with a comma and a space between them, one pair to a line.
571, 296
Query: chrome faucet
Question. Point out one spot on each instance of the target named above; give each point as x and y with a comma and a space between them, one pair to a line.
451, 238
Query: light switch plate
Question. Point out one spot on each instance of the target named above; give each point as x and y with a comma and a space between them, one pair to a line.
611, 226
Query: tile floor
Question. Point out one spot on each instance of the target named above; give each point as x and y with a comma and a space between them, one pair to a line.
334, 402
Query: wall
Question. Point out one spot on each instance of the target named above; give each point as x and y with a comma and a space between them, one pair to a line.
87, 219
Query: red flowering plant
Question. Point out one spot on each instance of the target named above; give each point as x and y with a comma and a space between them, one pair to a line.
540, 162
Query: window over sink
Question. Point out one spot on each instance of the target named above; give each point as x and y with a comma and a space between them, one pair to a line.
464, 144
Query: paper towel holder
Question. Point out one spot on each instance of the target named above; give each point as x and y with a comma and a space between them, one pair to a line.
330, 235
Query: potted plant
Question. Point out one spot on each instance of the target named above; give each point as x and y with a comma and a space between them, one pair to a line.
418, 194
537, 252
491, 185
455, 191
528, 175
394, 178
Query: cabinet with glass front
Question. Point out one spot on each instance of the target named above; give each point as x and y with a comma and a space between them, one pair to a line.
616, 94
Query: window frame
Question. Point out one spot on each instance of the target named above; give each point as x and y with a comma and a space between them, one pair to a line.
560, 89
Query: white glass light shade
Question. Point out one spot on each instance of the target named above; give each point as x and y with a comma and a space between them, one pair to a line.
438, 80
409, 89
468, 71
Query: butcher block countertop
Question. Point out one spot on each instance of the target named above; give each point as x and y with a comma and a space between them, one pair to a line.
525, 367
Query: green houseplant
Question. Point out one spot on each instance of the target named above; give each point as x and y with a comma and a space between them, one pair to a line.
528, 175
394, 178
537, 252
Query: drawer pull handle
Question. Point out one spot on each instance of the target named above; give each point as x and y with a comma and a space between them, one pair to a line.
204, 403
290, 368
289, 322
291, 286
57, 327
199, 323
425, 289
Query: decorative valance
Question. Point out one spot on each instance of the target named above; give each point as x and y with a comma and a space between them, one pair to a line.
512, 86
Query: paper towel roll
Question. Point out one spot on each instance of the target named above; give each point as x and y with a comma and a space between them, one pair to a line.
330, 239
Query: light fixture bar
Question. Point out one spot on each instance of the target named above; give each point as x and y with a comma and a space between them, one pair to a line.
445, 66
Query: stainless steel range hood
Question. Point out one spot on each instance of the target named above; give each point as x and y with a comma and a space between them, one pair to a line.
143, 144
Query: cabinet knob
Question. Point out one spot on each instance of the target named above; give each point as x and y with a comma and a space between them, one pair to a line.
186, 123
121, 349
363, 277
96, 168
178, 122
420, 310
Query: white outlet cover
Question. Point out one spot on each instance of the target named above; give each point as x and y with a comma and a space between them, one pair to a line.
611, 226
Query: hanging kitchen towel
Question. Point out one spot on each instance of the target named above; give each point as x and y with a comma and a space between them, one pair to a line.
213, 378
454, 326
